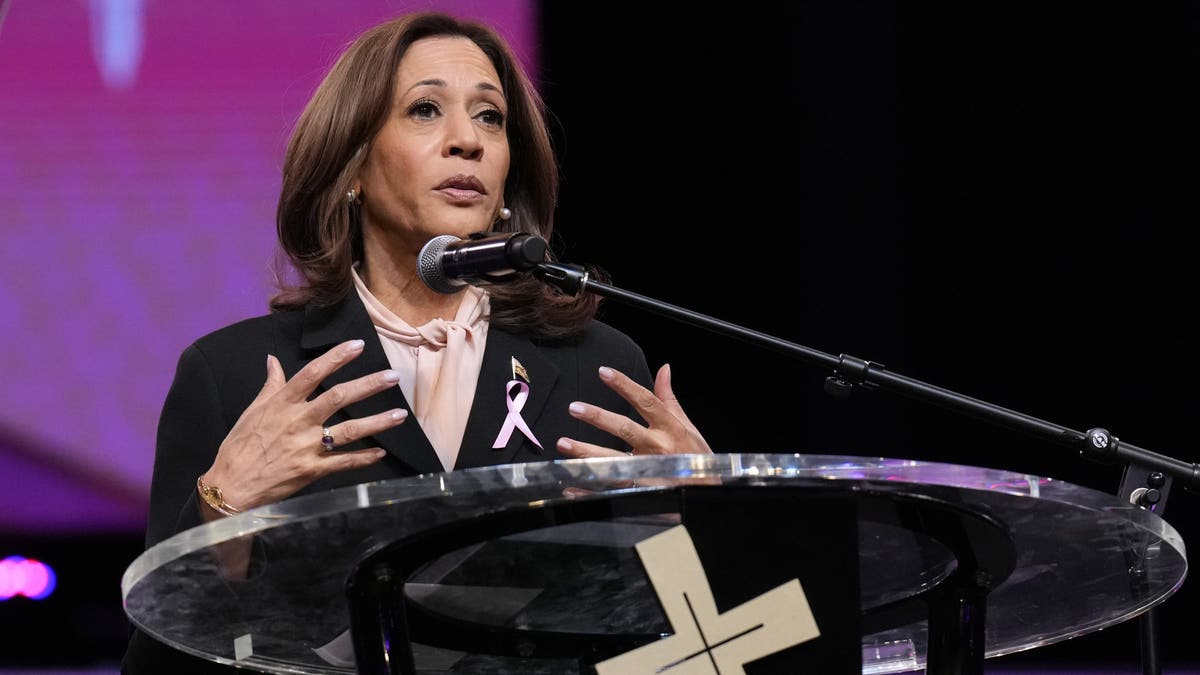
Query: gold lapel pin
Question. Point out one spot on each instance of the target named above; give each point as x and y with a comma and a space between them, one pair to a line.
518, 370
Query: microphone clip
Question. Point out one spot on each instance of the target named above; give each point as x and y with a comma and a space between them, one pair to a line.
850, 372
570, 279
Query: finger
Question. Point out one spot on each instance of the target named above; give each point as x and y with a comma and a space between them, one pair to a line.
356, 429
630, 432
664, 391
305, 382
344, 393
333, 462
662, 386
642, 399
666, 394
578, 449
276, 378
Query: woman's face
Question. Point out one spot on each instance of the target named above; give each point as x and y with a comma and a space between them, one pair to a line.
438, 164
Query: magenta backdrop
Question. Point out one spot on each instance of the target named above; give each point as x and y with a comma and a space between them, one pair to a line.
140, 146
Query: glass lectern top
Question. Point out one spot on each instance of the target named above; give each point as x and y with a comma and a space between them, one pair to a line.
1086, 559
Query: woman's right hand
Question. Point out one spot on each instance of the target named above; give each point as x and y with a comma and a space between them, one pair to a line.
275, 447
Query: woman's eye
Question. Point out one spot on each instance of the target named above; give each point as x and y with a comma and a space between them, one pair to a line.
423, 109
492, 118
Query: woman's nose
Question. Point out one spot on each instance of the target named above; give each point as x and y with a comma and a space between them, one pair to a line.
462, 138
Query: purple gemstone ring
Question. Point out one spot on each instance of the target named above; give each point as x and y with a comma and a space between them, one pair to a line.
326, 439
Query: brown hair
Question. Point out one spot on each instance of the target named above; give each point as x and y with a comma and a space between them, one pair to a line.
320, 233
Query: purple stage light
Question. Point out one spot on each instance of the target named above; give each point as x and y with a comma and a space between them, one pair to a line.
24, 576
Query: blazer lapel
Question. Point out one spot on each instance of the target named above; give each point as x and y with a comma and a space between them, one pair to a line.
490, 407
328, 326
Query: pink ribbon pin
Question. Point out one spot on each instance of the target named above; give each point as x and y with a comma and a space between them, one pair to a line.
514, 419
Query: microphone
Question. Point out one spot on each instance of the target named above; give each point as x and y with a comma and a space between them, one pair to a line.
448, 264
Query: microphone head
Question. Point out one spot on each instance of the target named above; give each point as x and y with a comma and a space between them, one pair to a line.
429, 265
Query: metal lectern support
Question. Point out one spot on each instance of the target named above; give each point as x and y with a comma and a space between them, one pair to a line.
1146, 488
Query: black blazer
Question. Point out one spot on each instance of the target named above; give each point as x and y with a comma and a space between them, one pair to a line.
219, 375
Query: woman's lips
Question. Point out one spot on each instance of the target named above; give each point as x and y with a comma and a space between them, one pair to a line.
461, 194
462, 188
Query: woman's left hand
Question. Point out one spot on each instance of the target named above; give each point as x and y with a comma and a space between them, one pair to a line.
669, 431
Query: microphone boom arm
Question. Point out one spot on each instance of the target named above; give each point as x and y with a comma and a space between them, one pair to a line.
848, 372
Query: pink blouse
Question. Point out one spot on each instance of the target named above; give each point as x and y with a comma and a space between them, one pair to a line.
439, 365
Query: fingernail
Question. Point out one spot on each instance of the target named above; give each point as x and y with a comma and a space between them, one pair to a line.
356, 345
576, 408
392, 376
564, 445
399, 414
606, 373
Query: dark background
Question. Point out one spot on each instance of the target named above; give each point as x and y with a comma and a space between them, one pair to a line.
994, 198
